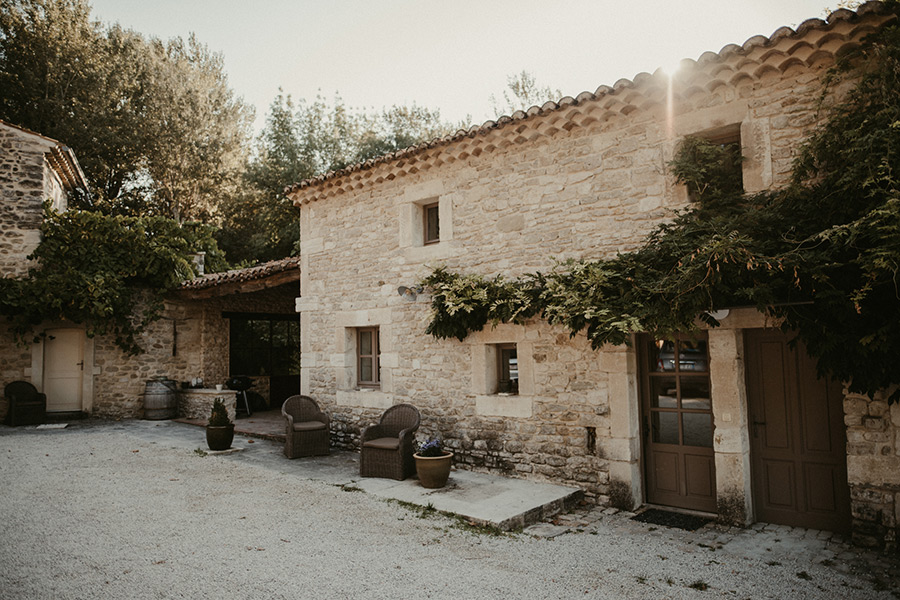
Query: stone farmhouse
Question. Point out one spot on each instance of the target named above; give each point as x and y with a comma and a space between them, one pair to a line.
733, 422
213, 326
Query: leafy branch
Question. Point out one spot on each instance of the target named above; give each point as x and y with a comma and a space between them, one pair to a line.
109, 273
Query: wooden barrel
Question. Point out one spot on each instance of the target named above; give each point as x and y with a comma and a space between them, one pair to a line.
160, 400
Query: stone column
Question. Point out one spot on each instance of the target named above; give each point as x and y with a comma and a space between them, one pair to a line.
732, 441
624, 446
873, 468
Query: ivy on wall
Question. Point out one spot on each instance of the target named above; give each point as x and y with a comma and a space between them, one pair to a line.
822, 254
97, 270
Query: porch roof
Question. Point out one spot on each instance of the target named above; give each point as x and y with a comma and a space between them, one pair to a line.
239, 281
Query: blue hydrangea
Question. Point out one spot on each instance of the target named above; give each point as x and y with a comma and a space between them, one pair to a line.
431, 447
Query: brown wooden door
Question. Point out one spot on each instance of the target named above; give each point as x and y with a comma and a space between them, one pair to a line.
797, 439
679, 463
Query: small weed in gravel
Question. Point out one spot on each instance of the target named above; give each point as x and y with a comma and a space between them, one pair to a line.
201, 452
640, 579
699, 585
804, 575
773, 563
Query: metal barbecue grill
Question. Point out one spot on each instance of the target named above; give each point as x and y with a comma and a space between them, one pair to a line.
241, 383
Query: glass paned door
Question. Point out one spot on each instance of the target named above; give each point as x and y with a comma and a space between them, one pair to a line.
678, 422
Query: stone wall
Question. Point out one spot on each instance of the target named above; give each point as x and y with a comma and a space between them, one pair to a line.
585, 193
873, 468
585, 179
25, 182
190, 340
198, 403
171, 348
15, 363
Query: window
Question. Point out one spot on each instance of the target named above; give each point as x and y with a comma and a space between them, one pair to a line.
367, 355
264, 345
730, 142
431, 225
727, 176
507, 369
678, 391
425, 226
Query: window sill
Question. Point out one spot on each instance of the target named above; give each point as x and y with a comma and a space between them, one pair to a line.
504, 405
438, 250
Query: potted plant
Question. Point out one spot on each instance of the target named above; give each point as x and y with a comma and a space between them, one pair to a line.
433, 464
220, 429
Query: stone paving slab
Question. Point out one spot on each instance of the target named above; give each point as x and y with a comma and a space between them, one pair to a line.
483, 499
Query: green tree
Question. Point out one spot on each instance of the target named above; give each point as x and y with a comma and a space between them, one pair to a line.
154, 124
200, 131
399, 127
301, 141
522, 93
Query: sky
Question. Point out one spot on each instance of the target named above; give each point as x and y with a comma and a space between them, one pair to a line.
450, 55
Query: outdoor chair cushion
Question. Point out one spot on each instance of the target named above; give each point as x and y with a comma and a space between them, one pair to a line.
383, 443
309, 426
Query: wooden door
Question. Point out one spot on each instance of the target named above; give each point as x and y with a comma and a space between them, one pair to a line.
677, 422
63, 369
797, 438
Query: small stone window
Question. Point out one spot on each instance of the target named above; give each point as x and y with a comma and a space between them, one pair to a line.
507, 369
367, 357
431, 226
728, 176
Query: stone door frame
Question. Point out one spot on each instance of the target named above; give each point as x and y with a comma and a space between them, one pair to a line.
731, 441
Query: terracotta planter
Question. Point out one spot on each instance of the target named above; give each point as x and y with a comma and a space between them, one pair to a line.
433, 471
220, 438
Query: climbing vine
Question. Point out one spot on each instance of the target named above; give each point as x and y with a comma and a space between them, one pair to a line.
823, 254
106, 272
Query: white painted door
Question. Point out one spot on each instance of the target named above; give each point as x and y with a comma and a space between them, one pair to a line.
63, 369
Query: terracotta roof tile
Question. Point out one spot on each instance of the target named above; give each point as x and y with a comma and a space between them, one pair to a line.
319, 186
243, 275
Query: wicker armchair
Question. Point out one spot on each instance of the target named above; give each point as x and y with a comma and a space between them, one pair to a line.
25, 405
306, 428
386, 449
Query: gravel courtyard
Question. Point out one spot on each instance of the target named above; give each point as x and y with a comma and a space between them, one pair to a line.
128, 510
